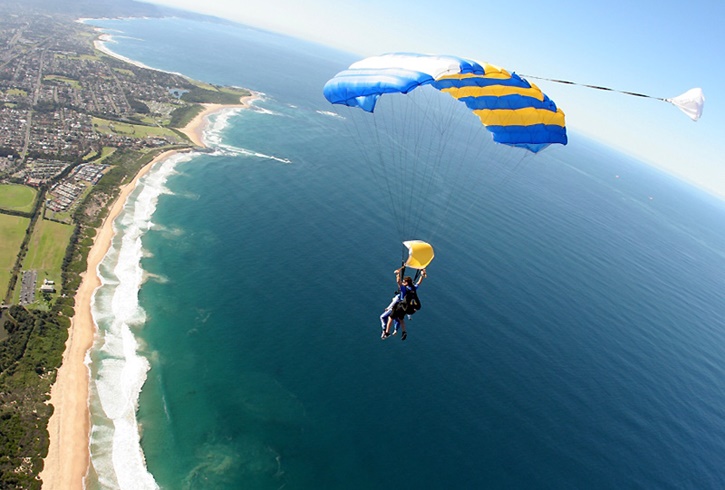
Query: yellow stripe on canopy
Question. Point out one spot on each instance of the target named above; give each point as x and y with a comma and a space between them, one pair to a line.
490, 69
494, 91
493, 75
520, 117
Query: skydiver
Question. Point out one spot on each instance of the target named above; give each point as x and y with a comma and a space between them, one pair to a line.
397, 315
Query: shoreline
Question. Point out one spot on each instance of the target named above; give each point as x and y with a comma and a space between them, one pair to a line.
194, 130
67, 463
68, 460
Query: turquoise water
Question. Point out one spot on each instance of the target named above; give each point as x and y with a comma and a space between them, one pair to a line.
571, 334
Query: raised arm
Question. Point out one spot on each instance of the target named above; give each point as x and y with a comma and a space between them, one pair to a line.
423, 274
398, 277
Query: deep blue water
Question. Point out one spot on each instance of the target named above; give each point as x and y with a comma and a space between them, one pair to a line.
571, 334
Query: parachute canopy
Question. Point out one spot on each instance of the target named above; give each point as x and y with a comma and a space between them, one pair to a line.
420, 254
514, 110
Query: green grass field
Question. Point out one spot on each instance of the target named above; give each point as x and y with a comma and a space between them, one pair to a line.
76, 57
17, 91
68, 81
133, 130
46, 250
106, 152
12, 231
16, 197
125, 72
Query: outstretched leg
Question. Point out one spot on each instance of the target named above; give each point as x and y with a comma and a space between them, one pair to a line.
384, 318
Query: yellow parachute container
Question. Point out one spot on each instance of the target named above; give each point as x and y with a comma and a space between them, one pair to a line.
420, 254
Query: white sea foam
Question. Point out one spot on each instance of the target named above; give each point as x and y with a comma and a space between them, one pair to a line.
118, 370
215, 129
331, 114
229, 150
106, 39
262, 110
217, 124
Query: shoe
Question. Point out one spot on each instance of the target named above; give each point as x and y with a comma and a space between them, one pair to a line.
395, 332
404, 336
384, 335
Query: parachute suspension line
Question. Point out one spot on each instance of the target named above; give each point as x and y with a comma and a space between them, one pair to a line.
441, 161
374, 160
386, 181
690, 103
428, 151
394, 131
429, 148
508, 176
596, 87
471, 167
403, 144
410, 161
432, 149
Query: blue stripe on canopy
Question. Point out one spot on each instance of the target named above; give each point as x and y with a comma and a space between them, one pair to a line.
513, 101
514, 81
534, 138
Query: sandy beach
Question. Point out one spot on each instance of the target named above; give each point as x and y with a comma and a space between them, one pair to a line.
195, 129
68, 459
68, 456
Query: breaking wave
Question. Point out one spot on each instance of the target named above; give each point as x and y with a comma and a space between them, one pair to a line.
118, 370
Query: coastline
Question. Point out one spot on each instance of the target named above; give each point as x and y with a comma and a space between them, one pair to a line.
195, 129
68, 459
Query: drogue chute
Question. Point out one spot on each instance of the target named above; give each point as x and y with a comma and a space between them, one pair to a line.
691, 103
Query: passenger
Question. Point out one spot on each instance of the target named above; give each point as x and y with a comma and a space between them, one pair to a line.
397, 314
386, 314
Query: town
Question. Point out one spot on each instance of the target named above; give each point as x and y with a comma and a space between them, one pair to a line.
62, 100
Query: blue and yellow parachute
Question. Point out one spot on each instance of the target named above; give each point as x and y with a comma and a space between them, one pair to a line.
515, 111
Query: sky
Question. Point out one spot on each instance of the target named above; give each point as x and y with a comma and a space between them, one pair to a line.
656, 47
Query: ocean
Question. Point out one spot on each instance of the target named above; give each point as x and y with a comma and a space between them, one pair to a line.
571, 334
